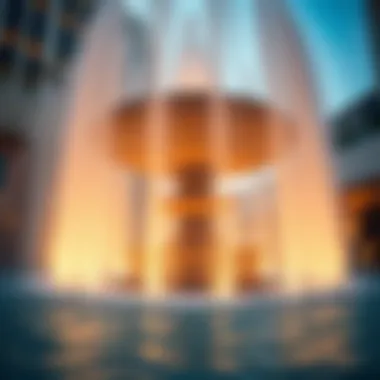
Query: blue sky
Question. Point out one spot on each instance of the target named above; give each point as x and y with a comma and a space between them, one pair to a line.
337, 37
335, 34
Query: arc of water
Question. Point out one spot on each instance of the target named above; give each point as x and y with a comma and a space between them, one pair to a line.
156, 237
88, 244
225, 212
309, 236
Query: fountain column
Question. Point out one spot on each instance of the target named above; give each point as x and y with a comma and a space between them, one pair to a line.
157, 223
226, 238
155, 244
225, 220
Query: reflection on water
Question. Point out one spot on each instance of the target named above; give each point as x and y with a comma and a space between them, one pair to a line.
82, 339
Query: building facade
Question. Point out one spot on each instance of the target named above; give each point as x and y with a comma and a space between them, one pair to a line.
356, 137
37, 38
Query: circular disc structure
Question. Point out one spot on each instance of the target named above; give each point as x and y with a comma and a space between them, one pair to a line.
188, 121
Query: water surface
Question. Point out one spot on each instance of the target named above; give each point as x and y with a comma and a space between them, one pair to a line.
332, 337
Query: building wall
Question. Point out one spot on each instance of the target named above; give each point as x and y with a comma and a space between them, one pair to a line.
38, 36
360, 163
37, 39
357, 201
13, 170
374, 17
356, 136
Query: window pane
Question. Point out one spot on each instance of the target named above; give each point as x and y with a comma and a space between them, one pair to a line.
14, 14
3, 171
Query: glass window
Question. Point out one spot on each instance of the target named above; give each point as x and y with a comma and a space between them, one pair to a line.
7, 54
70, 5
38, 24
66, 43
41, 5
3, 170
14, 14
33, 72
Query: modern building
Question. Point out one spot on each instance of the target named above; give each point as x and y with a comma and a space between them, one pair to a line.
223, 208
37, 38
356, 137
374, 17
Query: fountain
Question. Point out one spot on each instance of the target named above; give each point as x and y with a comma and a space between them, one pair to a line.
192, 237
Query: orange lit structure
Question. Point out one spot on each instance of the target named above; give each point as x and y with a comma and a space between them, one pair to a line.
192, 259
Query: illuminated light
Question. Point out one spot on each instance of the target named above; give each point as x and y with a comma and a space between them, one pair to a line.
224, 218
153, 352
155, 240
225, 251
193, 76
87, 244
